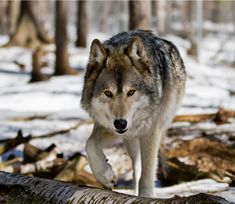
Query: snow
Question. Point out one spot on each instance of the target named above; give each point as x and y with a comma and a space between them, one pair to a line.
208, 88
190, 188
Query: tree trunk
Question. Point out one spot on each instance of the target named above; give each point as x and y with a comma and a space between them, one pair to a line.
139, 15
105, 8
13, 14
199, 28
161, 17
3, 17
216, 12
186, 10
36, 74
62, 59
82, 23
24, 189
29, 32
233, 20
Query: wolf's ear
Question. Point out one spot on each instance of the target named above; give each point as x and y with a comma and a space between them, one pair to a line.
137, 54
97, 52
136, 48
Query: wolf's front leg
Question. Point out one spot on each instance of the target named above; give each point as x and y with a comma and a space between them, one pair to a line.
101, 169
149, 146
133, 148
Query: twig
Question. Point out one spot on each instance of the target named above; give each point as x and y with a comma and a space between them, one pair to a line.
11, 143
51, 134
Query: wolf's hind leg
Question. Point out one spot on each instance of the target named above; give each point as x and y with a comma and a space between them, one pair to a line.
101, 169
133, 148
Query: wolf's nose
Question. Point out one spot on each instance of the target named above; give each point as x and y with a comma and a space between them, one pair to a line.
120, 124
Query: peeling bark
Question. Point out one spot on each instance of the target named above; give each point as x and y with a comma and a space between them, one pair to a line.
23, 189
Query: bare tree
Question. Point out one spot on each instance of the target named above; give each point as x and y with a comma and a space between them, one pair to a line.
62, 59
29, 32
3, 19
216, 11
233, 20
36, 74
12, 14
82, 23
100, 14
139, 14
199, 17
161, 17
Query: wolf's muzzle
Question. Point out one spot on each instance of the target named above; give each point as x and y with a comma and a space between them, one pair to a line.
120, 125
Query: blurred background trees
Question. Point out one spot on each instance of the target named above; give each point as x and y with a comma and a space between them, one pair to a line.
82, 23
29, 23
28, 31
62, 66
140, 15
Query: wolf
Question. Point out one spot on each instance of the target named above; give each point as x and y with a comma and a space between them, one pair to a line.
133, 85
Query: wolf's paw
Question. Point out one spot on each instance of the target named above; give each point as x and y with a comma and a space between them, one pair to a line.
107, 177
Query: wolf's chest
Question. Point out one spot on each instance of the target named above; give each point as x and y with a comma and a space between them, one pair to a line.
144, 127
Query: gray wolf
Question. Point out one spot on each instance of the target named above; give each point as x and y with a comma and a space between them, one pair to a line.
133, 85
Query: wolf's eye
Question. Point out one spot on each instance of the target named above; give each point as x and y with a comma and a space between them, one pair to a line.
108, 93
131, 92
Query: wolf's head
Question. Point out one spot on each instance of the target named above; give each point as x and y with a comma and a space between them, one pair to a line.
119, 87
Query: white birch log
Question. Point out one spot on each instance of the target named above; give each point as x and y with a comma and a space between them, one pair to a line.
24, 189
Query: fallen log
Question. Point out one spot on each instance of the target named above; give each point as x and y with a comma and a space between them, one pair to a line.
198, 158
74, 172
30, 118
23, 189
214, 132
32, 153
222, 116
36, 162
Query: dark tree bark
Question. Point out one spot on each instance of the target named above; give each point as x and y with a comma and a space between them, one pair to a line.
216, 11
24, 189
82, 23
62, 58
139, 14
29, 33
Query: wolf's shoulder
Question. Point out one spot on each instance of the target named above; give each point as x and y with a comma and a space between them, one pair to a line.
123, 38
149, 39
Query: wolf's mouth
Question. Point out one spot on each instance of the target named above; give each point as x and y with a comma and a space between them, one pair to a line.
121, 131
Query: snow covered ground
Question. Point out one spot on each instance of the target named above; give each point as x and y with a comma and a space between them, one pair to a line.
55, 104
